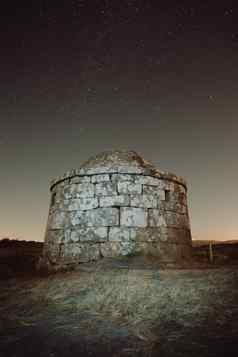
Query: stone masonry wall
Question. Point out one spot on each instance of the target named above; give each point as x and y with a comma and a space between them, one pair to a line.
103, 214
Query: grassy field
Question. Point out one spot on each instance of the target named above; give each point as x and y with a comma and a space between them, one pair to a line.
114, 311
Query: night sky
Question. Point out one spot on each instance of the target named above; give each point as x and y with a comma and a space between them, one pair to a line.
81, 77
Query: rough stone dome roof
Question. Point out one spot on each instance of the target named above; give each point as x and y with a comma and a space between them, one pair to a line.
118, 161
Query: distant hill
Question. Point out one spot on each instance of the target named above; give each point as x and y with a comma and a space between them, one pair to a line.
199, 243
17, 256
224, 252
7, 242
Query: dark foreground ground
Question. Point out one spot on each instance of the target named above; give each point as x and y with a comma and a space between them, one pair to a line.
121, 310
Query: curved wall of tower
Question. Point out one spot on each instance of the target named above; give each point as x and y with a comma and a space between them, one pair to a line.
117, 204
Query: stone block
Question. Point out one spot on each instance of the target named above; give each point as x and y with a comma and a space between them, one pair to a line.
99, 170
169, 185
119, 200
173, 206
179, 197
106, 189
149, 180
174, 219
149, 234
78, 252
83, 203
133, 217
85, 190
114, 249
57, 196
179, 235
76, 217
55, 236
80, 179
156, 218
86, 234
52, 252
122, 177
130, 169
119, 234
68, 191
154, 191
109, 249
103, 216
126, 188
144, 201
67, 235
100, 178
58, 220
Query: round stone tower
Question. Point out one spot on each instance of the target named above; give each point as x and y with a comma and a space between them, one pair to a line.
116, 204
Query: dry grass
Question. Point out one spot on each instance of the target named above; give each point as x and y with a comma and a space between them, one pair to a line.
156, 307
140, 299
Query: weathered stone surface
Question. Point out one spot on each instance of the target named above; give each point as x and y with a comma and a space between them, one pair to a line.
86, 234
100, 178
179, 197
51, 252
133, 217
76, 217
68, 191
107, 216
55, 236
79, 190
57, 196
106, 189
119, 200
127, 188
85, 190
144, 201
117, 204
149, 180
173, 206
164, 251
155, 191
122, 177
113, 249
177, 188
156, 218
130, 169
58, 220
149, 234
119, 234
174, 219
163, 234
99, 170
179, 235
80, 179
83, 203
79, 252
117, 158
169, 185
98, 217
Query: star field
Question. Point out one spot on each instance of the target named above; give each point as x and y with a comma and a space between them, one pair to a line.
80, 77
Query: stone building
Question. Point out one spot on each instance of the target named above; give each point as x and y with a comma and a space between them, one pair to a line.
115, 204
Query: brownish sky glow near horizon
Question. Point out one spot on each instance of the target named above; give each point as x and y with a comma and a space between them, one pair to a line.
81, 77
